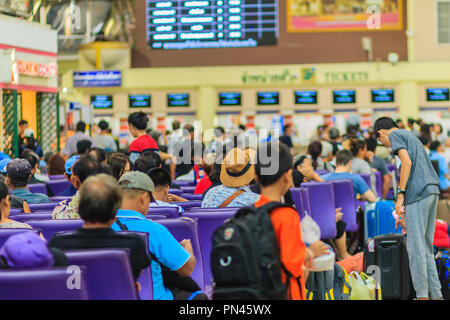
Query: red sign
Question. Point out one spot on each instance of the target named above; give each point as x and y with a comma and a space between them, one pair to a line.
34, 69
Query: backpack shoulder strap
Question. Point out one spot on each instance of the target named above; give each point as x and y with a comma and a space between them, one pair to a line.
231, 198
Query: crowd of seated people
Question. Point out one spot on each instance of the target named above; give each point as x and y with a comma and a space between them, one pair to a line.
111, 190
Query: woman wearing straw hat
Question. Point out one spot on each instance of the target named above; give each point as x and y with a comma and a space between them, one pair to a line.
237, 173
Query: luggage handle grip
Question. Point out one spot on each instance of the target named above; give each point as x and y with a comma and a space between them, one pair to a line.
388, 242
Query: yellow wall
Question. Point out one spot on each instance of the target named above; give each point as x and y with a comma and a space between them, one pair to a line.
29, 109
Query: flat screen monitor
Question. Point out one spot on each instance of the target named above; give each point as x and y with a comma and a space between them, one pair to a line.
383, 95
178, 100
268, 98
344, 96
102, 102
140, 100
198, 24
230, 99
305, 97
438, 94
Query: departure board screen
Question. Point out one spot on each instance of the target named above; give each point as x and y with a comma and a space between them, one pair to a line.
229, 99
344, 96
102, 102
438, 94
195, 24
382, 95
305, 97
268, 98
140, 100
178, 100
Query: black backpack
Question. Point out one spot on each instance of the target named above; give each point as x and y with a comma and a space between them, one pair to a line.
245, 258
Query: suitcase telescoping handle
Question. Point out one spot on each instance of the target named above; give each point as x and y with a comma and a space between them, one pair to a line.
388, 243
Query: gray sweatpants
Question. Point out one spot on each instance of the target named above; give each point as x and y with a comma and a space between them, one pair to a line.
420, 219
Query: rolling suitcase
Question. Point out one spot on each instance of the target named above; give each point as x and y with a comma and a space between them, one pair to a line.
378, 219
389, 253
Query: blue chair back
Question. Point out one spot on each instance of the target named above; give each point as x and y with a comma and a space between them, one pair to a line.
42, 206
172, 212
31, 216
58, 186
50, 227
344, 198
38, 188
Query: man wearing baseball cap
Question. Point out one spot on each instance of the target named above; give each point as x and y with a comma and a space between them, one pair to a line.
18, 173
70, 191
165, 250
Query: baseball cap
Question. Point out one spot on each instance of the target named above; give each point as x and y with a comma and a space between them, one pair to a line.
26, 250
28, 133
3, 164
69, 164
18, 168
137, 180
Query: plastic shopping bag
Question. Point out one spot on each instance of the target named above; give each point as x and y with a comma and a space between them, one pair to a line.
363, 287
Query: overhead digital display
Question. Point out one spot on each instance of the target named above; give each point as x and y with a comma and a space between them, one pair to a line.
344, 96
140, 100
438, 94
305, 97
101, 102
382, 95
229, 99
178, 100
195, 24
268, 98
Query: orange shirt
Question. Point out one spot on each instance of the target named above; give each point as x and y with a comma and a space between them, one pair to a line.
288, 233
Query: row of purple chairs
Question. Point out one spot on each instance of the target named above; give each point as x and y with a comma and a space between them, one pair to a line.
320, 199
56, 186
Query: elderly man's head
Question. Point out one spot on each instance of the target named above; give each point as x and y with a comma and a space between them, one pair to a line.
83, 168
100, 198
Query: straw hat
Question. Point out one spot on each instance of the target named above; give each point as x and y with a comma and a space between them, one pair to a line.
237, 168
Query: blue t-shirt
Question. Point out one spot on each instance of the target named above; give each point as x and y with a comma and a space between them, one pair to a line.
443, 169
29, 197
359, 185
161, 243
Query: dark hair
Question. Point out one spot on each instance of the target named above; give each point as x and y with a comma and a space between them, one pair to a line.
100, 198
425, 130
398, 120
81, 126
383, 123
31, 142
83, 146
299, 161
31, 157
425, 140
22, 122
118, 162
371, 144
356, 145
103, 125
434, 145
287, 126
100, 154
188, 129
343, 157
147, 160
276, 154
440, 127
297, 178
219, 131
242, 127
411, 121
176, 125
85, 167
160, 177
315, 150
333, 133
138, 120
56, 165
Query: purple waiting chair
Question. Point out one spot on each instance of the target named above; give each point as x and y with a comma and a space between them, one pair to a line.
189, 205
366, 178
31, 216
208, 222
185, 228
189, 189
42, 206
379, 183
57, 177
58, 199
58, 186
50, 227
176, 192
15, 211
109, 273
38, 188
6, 233
344, 198
172, 212
41, 284
321, 198
191, 197
184, 183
